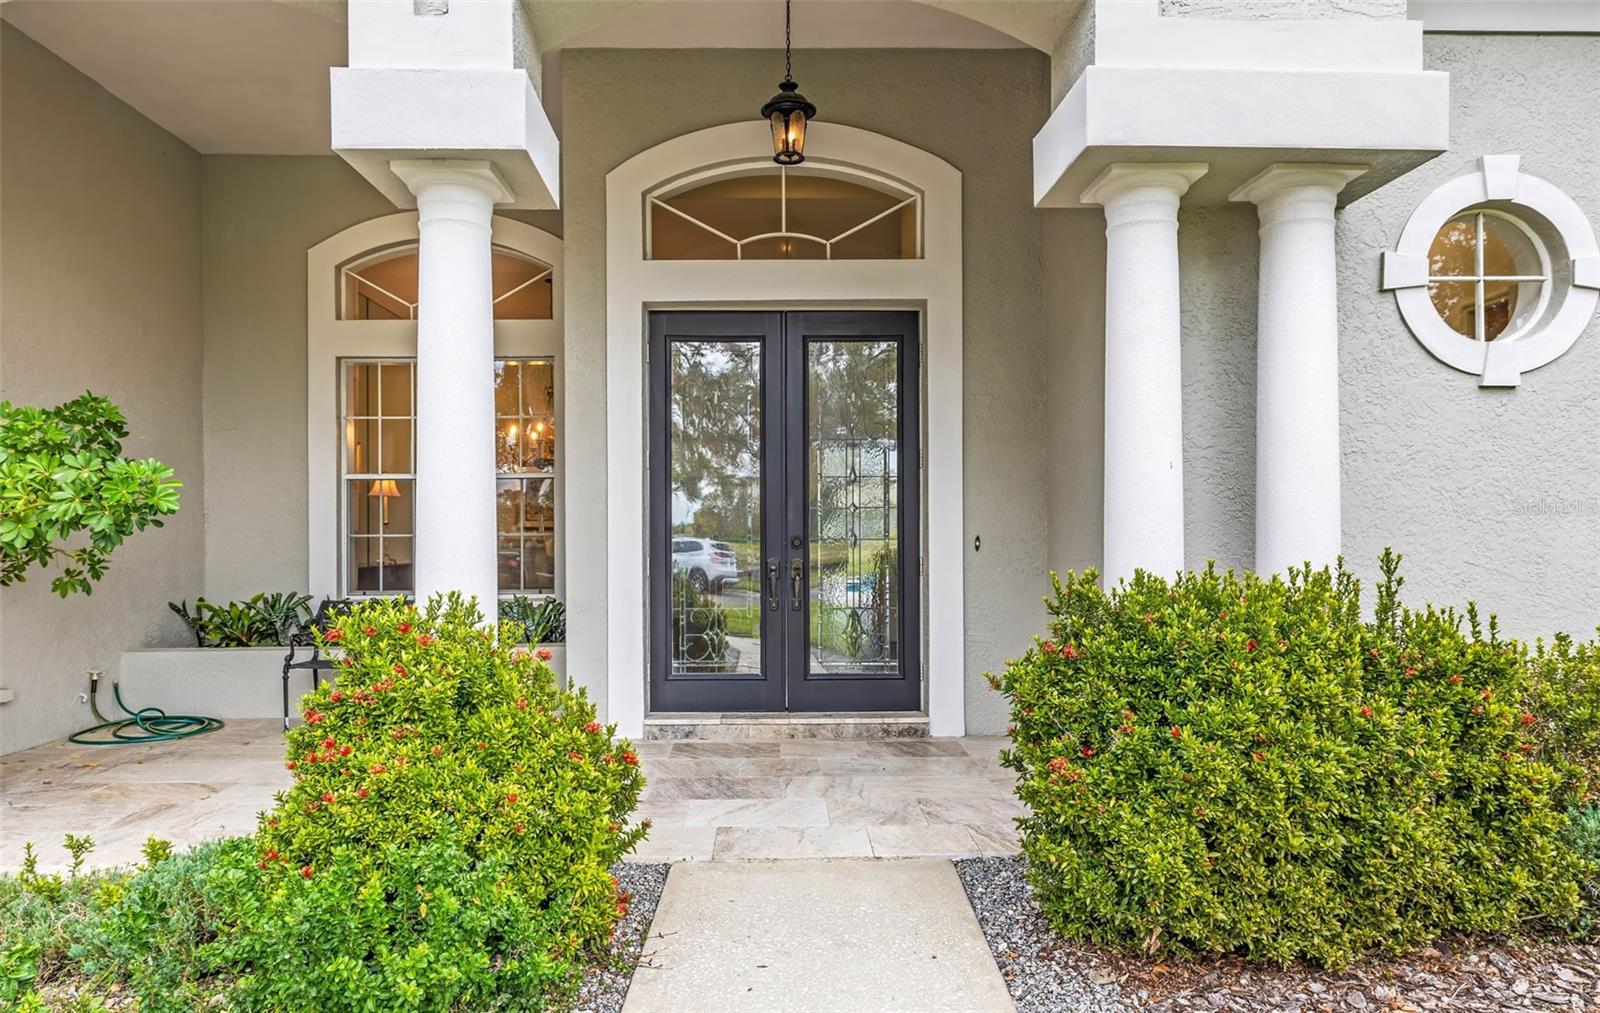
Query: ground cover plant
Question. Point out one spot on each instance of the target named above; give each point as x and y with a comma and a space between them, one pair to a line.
1223, 763
446, 845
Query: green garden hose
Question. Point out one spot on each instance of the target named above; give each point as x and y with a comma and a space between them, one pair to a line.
148, 724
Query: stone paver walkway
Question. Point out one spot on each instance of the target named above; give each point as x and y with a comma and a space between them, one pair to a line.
816, 936
799, 798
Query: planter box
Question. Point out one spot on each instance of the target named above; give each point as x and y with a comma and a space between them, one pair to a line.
221, 682
225, 682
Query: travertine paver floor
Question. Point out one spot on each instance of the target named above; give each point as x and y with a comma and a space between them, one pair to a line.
799, 798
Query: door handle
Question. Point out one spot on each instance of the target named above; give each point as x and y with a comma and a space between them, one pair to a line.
797, 580
772, 583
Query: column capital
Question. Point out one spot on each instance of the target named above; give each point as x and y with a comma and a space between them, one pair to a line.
477, 174
1283, 177
1120, 178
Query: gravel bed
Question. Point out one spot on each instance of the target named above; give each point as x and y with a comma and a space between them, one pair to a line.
605, 983
1049, 975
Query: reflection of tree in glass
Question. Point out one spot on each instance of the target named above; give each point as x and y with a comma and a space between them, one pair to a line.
716, 436
853, 390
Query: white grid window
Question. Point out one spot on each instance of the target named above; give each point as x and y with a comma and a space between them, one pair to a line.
379, 422
1488, 275
378, 475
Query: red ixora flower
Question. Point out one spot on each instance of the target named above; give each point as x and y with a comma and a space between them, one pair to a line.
1085, 751
544, 654
511, 798
1249, 645
1365, 712
313, 718
1455, 680
305, 872
404, 627
371, 631
345, 750
333, 636
1177, 732
328, 743
336, 696
327, 797
522, 703
630, 758
1526, 718
400, 670
593, 728
575, 757
1069, 652
361, 793
1058, 764
291, 765
423, 640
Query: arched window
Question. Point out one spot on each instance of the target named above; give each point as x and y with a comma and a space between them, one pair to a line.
383, 286
766, 212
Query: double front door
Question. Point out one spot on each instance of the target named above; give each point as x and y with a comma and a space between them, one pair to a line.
784, 511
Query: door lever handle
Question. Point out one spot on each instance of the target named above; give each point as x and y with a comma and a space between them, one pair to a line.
772, 583
797, 579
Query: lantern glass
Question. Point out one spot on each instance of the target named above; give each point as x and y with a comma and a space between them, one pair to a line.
788, 136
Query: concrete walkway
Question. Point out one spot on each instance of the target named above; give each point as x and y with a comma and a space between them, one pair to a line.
816, 937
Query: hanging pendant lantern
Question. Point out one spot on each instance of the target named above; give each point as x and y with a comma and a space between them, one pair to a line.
788, 110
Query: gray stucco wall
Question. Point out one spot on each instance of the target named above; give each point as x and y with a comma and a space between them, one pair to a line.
1493, 494
935, 100
99, 289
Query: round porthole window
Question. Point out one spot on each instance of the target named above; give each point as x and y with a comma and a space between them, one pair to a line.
1496, 272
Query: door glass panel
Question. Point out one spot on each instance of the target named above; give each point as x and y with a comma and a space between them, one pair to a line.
714, 391
853, 470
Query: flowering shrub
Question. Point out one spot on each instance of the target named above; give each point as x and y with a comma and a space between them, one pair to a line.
1564, 695
434, 731
1228, 763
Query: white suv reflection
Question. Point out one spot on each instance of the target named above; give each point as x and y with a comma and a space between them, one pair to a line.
709, 565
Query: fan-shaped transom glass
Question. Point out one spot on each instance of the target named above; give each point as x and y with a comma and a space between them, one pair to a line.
383, 286
1488, 275
777, 213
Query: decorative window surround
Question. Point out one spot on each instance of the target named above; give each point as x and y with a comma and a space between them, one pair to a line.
1500, 185
634, 285
329, 339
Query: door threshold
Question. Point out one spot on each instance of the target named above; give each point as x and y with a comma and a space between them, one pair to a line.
735, 725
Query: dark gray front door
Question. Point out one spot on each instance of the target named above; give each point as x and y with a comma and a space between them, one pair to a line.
784, 513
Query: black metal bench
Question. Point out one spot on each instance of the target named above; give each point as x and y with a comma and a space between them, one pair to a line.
317, 662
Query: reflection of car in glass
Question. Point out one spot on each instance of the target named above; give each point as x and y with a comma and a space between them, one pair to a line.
710, 565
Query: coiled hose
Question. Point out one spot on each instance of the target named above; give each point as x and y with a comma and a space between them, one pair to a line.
148, 724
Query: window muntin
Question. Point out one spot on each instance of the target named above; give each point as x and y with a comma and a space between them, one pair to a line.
771, 212
1488, 275
378, 475
383, 286
525, 463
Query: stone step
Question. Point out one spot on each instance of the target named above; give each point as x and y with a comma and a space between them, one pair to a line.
786, 725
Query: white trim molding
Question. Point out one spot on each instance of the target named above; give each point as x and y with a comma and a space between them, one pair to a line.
634, 286
1506, 16
329, 340
1500, 184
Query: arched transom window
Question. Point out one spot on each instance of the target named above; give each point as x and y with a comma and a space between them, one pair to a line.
383, 286
768, 212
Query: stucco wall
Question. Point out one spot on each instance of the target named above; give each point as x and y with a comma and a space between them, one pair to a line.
930, 99
1490, 493
99, 289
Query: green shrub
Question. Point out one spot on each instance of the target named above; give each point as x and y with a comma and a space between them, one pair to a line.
1231, 764
42, 914
62, 474
434, 731
1564, 695
1583, 837
397, 927
154, 926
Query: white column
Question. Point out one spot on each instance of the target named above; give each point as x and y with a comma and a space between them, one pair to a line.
455, 546
1144, 386
1297, 365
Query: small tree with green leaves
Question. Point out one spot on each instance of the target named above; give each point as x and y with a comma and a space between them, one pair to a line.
62, 473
